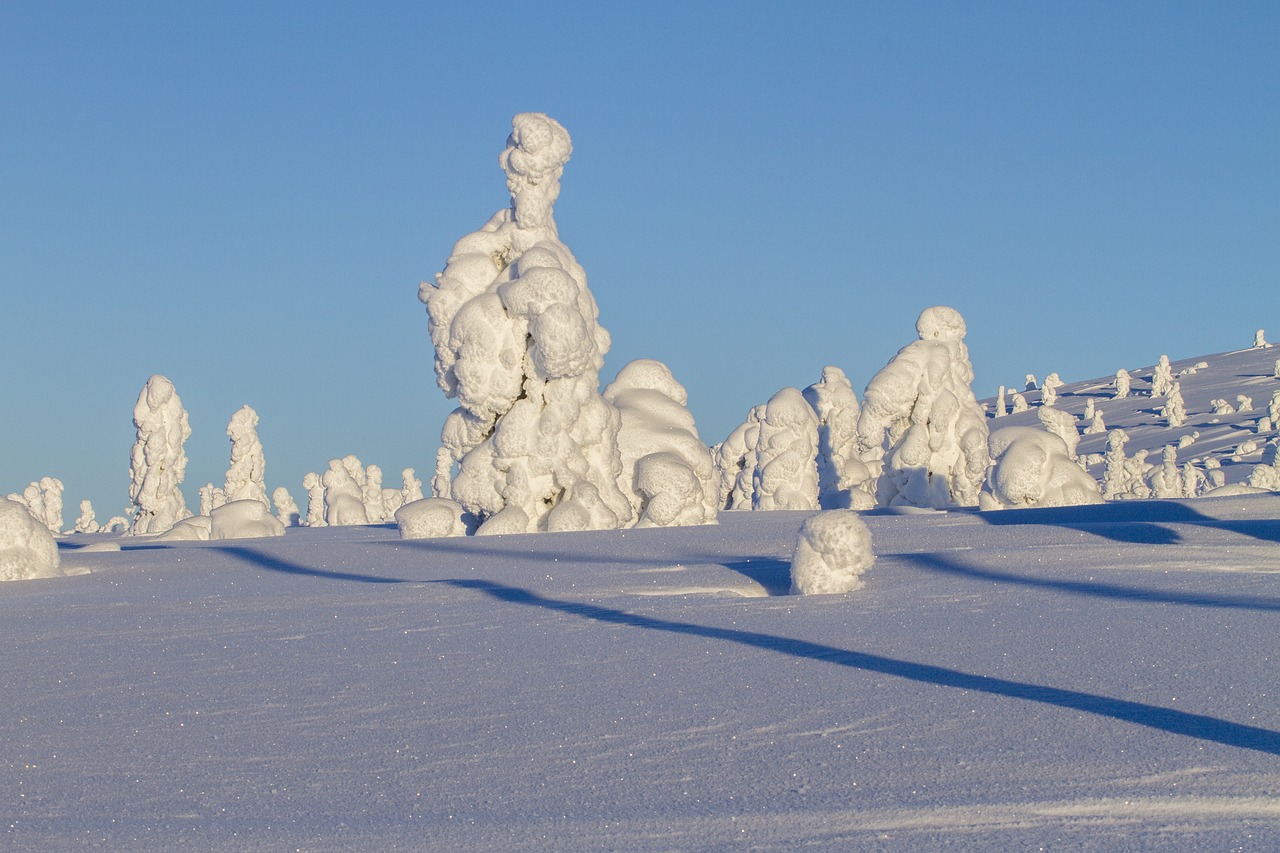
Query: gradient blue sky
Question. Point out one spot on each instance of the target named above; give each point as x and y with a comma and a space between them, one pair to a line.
244, 197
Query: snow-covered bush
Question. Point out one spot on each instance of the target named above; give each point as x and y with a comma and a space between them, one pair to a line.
921, 426
246, 475
786, 474
832, 552
158, 462
1097, 424
1034, 468
1031, 384
1166, 480
1260, 340
27, 548
1221, 407
431, 518
1244, 403
371, 495
412, 489
667, 470
1061, 424
1018, 404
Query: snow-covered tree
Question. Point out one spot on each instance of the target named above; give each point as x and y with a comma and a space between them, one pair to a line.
833, 550
343, 496
667, 471
1174, 410
517, 342
287, 511
86, 523
1049, 389
371, 494
921, 427
1260, 340
1031, 384
1221, 407
246, 475
1115, 478
315, 500
1034, 468
1162, 378
1244, 403
1061, 424
786, 472
1096, 424
1019, 403
1123, 383
1165, 480
412, 489
1001, 407
842, 478
735, 460
158, 462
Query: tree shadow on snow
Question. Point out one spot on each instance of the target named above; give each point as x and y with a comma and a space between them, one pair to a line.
1136, 521
275, 564
1183, 723
1122, 592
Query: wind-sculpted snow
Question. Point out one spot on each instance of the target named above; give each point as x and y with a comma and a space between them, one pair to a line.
833, 550
518, 344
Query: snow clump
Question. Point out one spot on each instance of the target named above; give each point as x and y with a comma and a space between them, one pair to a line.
27, 548
432, 518
832, 552
921, 427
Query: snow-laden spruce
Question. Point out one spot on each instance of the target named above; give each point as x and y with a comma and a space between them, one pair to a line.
832, 552
786, 474
43, 499
518, 344
158, 462
27, 548
246, 475
921, 425
1034, 468
842, 477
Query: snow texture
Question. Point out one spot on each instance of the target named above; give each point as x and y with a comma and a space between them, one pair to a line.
921, 427
833, 550
27, 548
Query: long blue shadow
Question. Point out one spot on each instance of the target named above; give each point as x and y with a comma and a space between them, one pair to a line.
1137, 521
1168, 720
275, 564
943, 565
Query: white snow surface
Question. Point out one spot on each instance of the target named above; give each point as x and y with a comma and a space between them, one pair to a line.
1091, 677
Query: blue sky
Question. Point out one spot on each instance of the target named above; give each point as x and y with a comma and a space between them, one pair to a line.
244, 197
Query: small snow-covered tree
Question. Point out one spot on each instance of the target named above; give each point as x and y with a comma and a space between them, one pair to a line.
1162, 378
287, 511
833, 550
1123, 383
1002, 408
1096, 424
921, 428
315, 500
1221, 407
1260, 340
1115, 478
27, 547
1273, 408
735, 460
1031, 384
86, 523
158, 462
1174, 410
842, 478
1165, 479
412, 489
1061, 424
1019, 403
786, 473
371, 495
1244, 403
1049, 389
1034, 468
343, 496
246, 475
667, 470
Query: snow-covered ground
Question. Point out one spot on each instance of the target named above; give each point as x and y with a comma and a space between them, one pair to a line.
1096, 677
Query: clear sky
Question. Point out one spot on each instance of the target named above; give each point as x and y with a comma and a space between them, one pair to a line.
244, 197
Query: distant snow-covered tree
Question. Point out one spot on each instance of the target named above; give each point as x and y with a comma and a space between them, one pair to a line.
1115, 479
411, 490
246, 475
315, 500
1049, 389
1061, 424
287, 512
1162, 378
158, 462
343, 496
86, 523
1002, 408
1034, 468
1174, 410
1260, 340
841, 474
921, 428
1019, 403
1123, 383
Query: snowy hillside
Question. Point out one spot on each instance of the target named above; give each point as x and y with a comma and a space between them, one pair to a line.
1097, 677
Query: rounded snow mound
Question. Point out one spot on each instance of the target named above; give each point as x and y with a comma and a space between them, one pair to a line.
832, 552
431, 518
27, 548
940, 323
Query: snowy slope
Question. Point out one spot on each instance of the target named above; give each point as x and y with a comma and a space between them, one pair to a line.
1097, 677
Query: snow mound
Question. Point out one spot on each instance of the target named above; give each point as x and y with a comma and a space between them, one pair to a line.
431, 518
1034, 468
832, 552
27, 548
